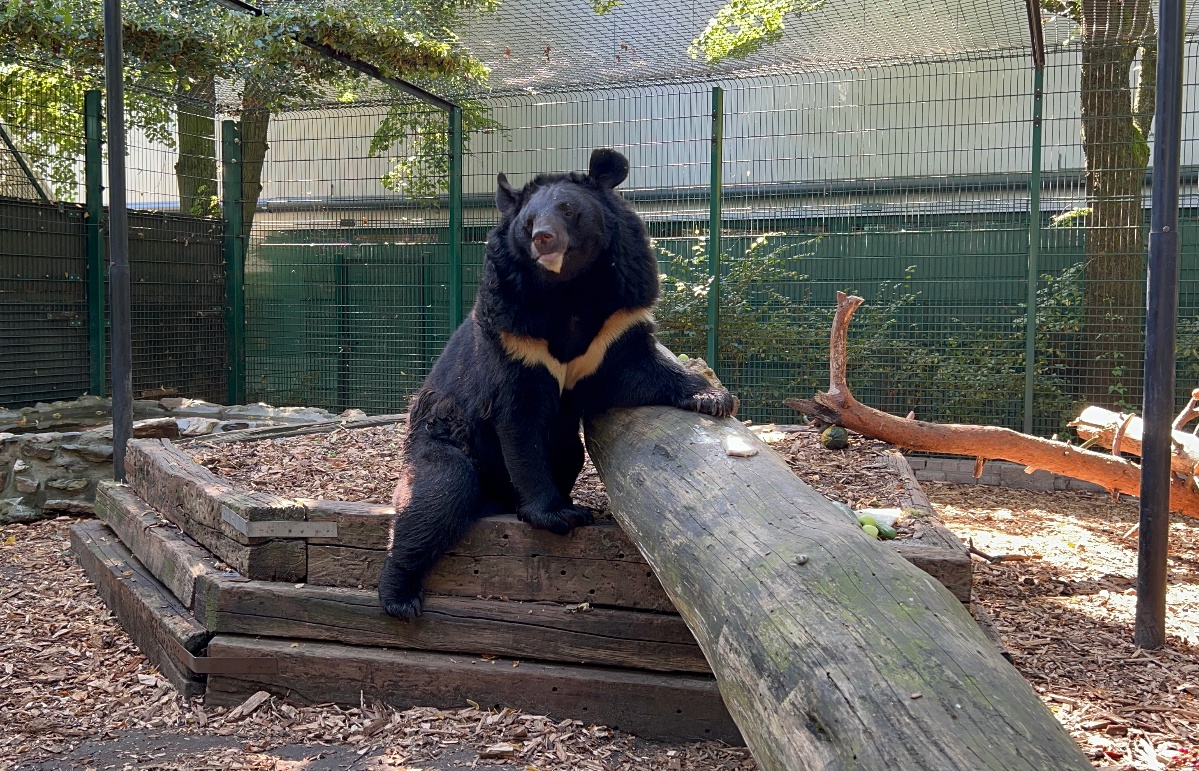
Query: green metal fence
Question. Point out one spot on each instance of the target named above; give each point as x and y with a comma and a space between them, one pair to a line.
937, 171
53, 327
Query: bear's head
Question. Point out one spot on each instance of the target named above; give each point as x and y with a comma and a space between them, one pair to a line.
559, 224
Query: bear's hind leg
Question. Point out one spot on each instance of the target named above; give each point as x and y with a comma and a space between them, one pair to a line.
436, 502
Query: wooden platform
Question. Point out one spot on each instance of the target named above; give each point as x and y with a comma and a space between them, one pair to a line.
277, 594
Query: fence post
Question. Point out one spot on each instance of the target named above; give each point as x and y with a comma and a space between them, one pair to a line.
93, 175
714, 227
1034, 247
455, 224
235, 262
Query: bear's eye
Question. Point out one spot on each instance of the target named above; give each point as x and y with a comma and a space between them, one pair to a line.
567, 211
529, 224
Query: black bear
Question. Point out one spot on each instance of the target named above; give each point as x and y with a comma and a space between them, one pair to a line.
561, 329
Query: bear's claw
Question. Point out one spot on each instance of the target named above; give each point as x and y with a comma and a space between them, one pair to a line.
559, 522
718, 403
405, 609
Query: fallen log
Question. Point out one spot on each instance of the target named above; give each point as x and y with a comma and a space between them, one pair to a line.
830, 650
837, 405
1121, 432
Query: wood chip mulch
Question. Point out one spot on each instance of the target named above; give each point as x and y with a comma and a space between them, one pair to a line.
69, 675
1067, 617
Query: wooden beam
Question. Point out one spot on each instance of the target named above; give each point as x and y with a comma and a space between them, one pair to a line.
151, 615
654, 706
831, 651
541, 631
171, 557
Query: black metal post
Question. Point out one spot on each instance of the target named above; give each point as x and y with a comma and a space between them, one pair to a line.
1161, 314
118, 240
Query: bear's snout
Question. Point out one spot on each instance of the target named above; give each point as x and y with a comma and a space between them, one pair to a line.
549, 244
545, 240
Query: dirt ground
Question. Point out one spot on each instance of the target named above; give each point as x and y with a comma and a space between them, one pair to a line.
75, 693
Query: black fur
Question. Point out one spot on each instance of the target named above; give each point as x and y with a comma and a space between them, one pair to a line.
489, 433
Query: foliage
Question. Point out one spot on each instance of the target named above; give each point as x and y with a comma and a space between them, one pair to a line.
743, 27
171, 45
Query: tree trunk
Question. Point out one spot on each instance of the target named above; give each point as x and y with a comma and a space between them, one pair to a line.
1114, 133
255, 120
1104, 426
195, 171
830, 650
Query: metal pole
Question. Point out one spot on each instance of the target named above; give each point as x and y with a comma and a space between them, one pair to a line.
235, 261
1034, 247
93, 174
714, 228
118, 240
1160, 316
455, 224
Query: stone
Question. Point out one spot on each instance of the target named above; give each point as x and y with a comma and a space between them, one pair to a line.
13, 511
78, 508
259, 411
26, 484
34, 450
196, 426
19, 466
197, 407
97, 453
230, 425
68, 485
353, 414
301, 415
147, 407
156, 428
171, 403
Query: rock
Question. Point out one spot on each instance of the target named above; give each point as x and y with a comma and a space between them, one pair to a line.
194, 407
19, 466
33, 450
259, 411
68, 485
97, 453
302, 415
147, 407
26, 484
352, 414
196, 426
13, 511
172, 403
156, 428
68, 507
230, 425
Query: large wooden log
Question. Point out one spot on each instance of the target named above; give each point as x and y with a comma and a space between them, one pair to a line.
1104, 426
829, 649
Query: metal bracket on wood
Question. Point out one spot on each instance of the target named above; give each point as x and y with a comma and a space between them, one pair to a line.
219, 665
277, 528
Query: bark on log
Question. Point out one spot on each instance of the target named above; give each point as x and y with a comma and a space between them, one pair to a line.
982, 442
830, 650
1103, 425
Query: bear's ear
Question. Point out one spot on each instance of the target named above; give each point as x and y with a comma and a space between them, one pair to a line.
608, 167
507, 200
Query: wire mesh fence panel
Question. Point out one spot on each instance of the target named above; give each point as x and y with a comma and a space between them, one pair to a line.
347, 273
905, 184
43, 261
43, 302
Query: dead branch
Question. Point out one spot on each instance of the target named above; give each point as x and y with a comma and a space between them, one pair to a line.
839, 406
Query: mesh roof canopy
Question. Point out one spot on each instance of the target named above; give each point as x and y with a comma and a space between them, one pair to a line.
564, 43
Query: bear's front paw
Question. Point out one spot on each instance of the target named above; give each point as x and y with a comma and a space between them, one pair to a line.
557, 521
717, 402
399, 593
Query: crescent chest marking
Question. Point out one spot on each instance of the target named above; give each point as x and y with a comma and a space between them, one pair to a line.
534, 351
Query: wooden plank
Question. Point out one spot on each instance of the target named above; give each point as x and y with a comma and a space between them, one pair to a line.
275, 560
931, 547
368, 525
147, 611
636, 640
169, 555
546, 578
655, 706
166, 477
276, 432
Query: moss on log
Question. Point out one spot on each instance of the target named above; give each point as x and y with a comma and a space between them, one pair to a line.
830, 650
